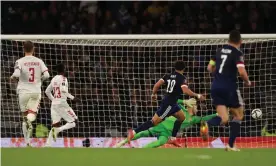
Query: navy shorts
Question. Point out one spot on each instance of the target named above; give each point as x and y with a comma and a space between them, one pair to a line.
166, 110
227, 97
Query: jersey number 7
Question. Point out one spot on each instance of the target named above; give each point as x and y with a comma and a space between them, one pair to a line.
171, 84
223, 57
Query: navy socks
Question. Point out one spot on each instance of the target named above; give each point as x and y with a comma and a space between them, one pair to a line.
235, 126
144, 126
176, 127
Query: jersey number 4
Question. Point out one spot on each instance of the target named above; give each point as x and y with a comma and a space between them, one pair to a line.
171, 84
223, 57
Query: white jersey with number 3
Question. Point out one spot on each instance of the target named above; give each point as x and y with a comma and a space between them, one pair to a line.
59, 87
31, 71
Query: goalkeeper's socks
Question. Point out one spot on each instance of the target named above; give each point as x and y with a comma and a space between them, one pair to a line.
216, 121
67, 126
235, 126
176, 128
144, 126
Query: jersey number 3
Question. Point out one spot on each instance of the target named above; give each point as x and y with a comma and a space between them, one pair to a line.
223, 57
171, 84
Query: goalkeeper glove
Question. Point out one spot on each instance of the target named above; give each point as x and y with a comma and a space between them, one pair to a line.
190, 103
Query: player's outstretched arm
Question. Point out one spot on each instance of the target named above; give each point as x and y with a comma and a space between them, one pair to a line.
155, 89
198, 119
48, 92
188, 91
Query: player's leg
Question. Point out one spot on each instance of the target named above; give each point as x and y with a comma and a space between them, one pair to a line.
55, 123
23, 101
237, 110
179, 114
221, 99
161, 141
69, 116
158, 117
32, 106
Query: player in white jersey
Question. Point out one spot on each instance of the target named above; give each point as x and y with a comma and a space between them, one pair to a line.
30, 71
60, 108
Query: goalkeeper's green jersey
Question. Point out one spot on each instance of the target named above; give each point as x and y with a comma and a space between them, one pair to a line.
189, 119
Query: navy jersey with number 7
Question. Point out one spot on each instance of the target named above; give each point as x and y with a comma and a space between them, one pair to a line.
173, 83
224, 90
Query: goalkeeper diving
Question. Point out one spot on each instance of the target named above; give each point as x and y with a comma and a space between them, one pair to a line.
163, 131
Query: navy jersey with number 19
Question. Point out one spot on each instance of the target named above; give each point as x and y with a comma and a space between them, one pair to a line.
173, 83
224, 90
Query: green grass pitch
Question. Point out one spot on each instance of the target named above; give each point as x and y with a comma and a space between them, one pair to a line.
135, 157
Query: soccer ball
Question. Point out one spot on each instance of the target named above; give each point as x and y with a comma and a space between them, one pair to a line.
256, 113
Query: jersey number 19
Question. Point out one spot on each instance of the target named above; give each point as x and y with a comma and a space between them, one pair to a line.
171, 84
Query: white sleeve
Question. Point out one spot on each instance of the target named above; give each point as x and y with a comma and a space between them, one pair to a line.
44, 70
64, 89
49, 92
17, 70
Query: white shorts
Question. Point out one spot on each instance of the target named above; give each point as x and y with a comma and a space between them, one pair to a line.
29, 101
63, 111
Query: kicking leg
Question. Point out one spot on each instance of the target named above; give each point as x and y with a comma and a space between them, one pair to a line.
222, 118
155, 121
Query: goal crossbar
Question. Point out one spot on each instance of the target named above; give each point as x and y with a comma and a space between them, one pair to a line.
139, 37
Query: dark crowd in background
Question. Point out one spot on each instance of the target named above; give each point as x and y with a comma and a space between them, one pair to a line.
152, 17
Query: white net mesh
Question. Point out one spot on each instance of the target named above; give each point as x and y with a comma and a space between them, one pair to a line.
114, 79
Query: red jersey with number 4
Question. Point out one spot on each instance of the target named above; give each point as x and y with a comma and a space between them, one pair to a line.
32, 69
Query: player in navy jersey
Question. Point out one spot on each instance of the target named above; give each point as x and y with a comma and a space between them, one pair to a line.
176, 84
225, 65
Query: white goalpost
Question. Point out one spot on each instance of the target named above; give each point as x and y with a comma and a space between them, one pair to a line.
113, 75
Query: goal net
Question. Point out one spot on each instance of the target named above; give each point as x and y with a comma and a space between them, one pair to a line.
114, 76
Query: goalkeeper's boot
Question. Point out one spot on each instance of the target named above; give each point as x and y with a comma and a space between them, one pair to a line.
229, 149
130, 135
55, 133
204, 130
